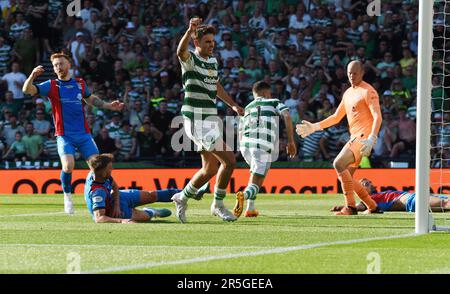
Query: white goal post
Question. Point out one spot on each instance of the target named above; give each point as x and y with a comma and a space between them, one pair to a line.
427, 140
423, 123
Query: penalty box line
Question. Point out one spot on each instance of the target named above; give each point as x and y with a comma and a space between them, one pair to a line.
276, 250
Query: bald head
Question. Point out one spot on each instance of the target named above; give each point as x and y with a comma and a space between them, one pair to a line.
355, 72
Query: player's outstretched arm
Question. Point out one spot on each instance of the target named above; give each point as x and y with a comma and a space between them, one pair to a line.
223, 95
291, 146
335, 118
97, 102
183, 46
101, 217
305, 128
28, 87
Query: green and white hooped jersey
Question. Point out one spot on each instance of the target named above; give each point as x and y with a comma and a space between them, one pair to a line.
259, 126
200, 77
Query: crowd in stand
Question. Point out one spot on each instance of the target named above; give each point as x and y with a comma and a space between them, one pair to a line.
127, 50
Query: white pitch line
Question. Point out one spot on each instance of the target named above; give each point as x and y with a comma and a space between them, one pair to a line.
33, 214
275, 250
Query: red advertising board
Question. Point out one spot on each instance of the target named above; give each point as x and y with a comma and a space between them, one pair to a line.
277, 181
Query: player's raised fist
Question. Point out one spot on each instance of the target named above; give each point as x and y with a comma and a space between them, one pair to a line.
194, 23
37, 71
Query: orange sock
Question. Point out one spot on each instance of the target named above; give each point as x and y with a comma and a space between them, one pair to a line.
364, 196
347, 186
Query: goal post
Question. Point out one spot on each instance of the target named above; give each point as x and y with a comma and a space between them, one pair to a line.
433, 116
423, 123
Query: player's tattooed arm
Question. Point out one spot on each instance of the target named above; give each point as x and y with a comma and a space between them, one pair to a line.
99, 103
101, 217
95, 101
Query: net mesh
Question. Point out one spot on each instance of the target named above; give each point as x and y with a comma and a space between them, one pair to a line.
440, 99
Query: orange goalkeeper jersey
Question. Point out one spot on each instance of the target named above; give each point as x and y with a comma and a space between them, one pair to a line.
360, 104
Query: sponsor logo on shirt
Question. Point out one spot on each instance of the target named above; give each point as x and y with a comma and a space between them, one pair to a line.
97, 199
210, 80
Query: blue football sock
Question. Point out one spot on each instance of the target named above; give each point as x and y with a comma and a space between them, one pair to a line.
153, 212
150, 211
66, 182
166, 195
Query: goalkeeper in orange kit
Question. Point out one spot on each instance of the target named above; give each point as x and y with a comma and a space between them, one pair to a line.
361, 104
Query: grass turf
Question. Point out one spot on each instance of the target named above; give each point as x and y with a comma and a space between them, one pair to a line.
36, 238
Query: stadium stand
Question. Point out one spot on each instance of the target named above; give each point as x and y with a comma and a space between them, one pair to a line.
126, 50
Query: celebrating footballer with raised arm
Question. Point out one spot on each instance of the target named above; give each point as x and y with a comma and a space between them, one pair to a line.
201, 85
68, 97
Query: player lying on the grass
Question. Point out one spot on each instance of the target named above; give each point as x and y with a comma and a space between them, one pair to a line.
259, 138
361, 105
399, 200
103, 196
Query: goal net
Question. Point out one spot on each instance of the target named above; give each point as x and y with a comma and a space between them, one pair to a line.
433, 119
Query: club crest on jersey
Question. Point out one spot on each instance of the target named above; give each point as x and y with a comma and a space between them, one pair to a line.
79, 96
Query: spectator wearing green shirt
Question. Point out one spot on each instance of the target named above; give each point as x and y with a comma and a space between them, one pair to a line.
33, 142
255, 73
409, 80
19, 149
26, 51
125, 142
387, 62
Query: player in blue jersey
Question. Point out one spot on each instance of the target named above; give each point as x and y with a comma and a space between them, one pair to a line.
68, 97
103, 196
399, 200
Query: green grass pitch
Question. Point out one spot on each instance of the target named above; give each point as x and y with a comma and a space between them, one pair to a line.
293, 234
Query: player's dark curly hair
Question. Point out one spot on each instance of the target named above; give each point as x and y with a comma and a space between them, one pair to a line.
203, 30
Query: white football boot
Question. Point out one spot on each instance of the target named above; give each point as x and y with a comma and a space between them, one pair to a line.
181, 206
223, 213
68, 203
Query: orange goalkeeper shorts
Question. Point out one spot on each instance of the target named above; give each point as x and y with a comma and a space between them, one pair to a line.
354, 144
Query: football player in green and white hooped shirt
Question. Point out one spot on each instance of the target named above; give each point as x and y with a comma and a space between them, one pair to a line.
259, 142
201, 84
